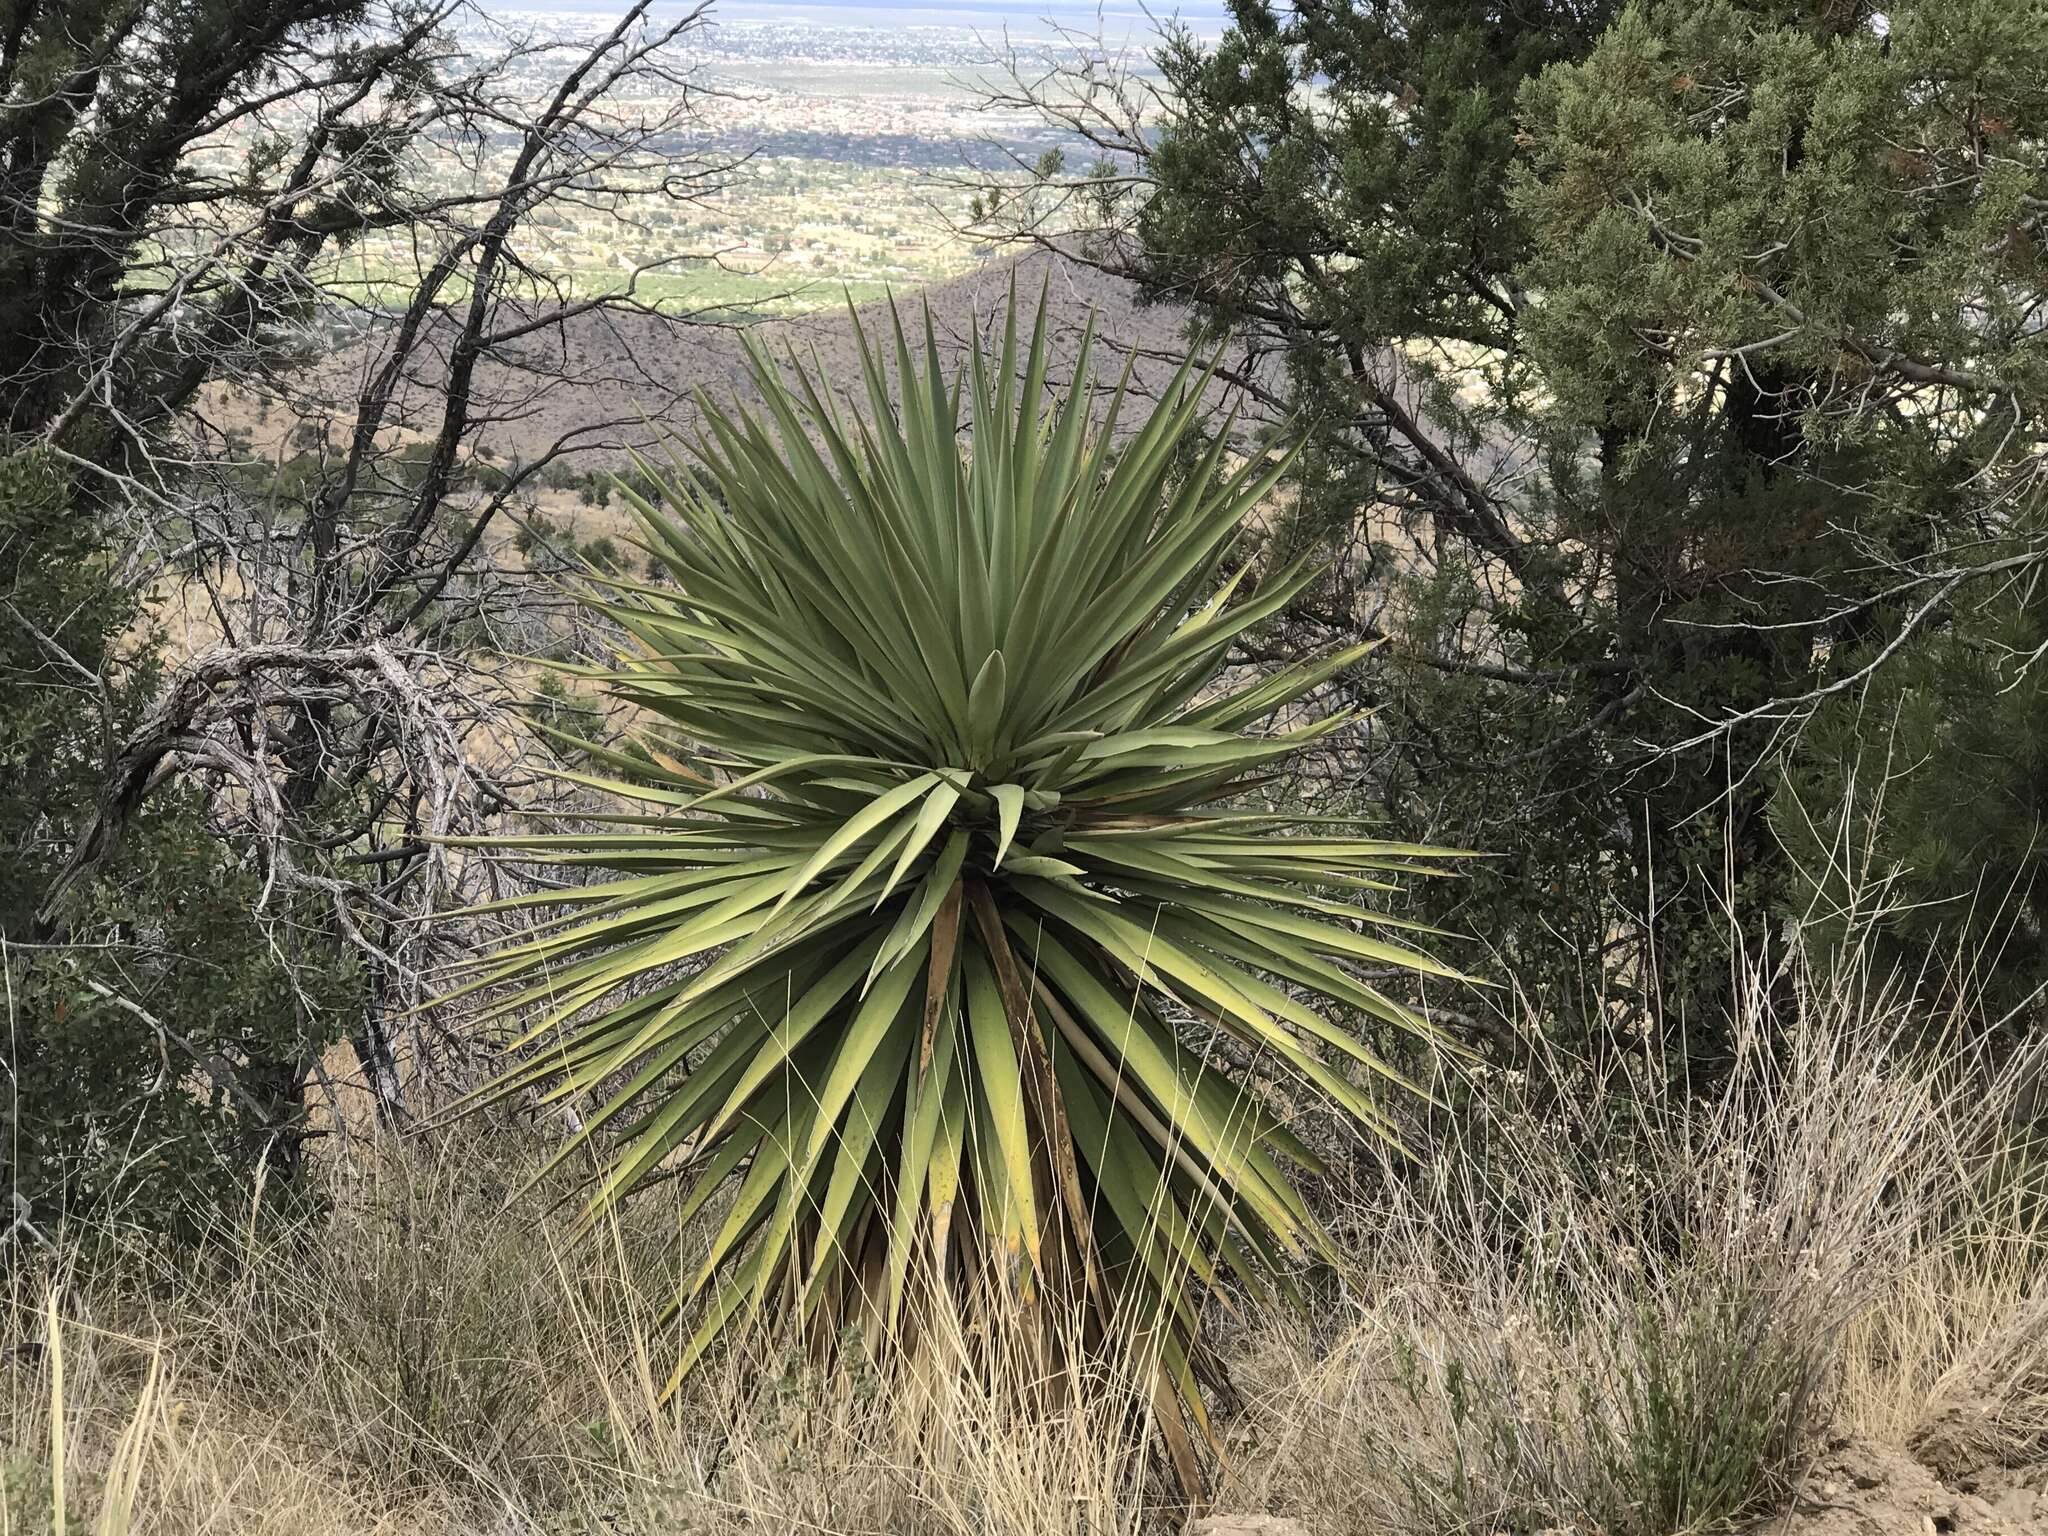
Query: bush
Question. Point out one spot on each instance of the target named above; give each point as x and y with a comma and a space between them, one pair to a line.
1929, 788
603, 553
1639, 1323
153, 1030
532, 535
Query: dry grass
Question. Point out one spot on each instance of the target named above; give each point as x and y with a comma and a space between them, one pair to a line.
1641, 1324
427, 1359
1591, 1310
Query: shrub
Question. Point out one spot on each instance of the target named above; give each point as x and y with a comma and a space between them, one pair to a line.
945, 804
1612, 1305
151, 1029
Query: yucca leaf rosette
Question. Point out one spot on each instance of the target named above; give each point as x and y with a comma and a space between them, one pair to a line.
934, 933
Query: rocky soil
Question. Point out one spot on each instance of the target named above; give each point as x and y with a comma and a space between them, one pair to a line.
1965, 1474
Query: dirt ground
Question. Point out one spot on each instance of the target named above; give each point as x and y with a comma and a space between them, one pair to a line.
1956, 1479
1856, 1488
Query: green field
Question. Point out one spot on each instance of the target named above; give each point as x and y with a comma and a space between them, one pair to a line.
382, 285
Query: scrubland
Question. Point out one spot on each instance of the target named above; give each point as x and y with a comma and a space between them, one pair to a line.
1605, 1301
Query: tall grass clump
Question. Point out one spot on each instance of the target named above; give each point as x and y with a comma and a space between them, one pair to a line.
1632, 1305
426, 1359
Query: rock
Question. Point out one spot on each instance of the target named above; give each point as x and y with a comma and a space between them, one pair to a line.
1245, 1525
1858, 1488
2019, 1504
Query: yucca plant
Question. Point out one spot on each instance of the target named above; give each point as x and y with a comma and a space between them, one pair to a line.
938, 931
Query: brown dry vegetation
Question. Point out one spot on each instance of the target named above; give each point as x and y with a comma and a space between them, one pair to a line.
630, 367
1812, 1287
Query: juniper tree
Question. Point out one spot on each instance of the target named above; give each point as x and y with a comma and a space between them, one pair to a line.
1669, 366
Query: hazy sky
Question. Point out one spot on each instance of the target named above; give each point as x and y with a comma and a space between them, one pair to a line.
1118, 20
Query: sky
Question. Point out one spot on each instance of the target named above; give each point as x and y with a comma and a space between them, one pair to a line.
1116, 19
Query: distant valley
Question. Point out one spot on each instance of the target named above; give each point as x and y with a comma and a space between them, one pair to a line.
841, 141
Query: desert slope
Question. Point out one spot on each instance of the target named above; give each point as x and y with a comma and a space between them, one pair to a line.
607, 382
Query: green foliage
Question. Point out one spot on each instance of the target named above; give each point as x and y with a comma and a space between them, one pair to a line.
156, 1056
941, 826
93, 156
1395, 178
1646, 351
1691, 1420
1920, 805
26, 1495
59, 635
602, 553
558, 710
153, 1044
1793, 164
1747, 221
532, 536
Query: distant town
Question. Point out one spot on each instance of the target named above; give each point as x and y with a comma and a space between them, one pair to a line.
846, 144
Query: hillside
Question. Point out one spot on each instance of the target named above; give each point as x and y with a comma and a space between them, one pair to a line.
605, 382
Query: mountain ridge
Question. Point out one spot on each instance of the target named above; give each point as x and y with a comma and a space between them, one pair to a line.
609, 382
